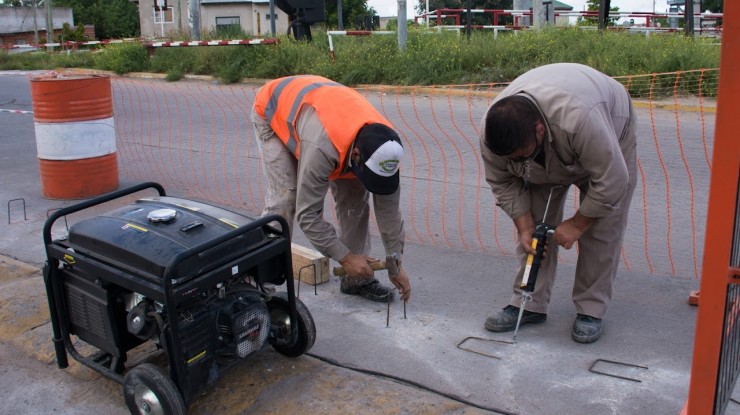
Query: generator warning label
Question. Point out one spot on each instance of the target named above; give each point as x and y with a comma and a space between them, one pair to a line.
134, 227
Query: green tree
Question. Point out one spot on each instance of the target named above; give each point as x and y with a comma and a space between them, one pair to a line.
72, 35
714, 6
113, 19
350, 10
16, 3
593, 6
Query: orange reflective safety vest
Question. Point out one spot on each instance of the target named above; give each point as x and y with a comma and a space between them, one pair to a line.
341, 110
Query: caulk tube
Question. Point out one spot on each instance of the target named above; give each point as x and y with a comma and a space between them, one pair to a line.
532, 268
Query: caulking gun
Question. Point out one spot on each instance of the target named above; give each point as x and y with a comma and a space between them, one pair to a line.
539, 240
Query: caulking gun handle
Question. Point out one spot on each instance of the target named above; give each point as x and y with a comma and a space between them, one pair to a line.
539, 241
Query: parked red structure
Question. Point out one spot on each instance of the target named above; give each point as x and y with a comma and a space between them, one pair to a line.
716, 363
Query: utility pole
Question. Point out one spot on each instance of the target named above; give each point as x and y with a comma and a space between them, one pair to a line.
160, 6
35, 22
402, 29
604, 6
521, 20
179, 16
339, 15
272, 18
195, 17
688, 19
469, 20
539, 14
49, 22
427, 14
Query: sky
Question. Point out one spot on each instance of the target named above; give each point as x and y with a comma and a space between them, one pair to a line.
390, 7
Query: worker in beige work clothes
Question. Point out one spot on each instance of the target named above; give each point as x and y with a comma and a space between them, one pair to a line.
555, 126
314, 135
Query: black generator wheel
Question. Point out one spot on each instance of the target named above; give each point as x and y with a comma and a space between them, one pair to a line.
280, 317
148, 390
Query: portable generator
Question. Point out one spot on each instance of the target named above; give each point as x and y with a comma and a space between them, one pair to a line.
197, 280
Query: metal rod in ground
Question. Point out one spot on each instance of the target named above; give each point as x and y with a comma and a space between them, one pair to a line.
388, 312
525, 296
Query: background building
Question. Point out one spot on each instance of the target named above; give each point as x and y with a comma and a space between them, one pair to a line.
27, 25
250, 16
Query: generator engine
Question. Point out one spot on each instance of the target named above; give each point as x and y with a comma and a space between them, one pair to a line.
239, 318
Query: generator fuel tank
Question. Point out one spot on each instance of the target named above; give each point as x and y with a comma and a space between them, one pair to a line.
145, 235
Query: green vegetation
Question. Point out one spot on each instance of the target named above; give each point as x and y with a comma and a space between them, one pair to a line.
113, 19
123, 58
430, 58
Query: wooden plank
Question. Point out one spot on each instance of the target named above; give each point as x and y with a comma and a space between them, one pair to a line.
306, 261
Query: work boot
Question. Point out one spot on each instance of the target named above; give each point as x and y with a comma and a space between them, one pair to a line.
587, 329
505, 320
370, 289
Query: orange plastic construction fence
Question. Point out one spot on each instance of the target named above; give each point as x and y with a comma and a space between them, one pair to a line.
197, 140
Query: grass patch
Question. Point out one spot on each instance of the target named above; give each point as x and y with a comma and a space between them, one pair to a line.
430, 58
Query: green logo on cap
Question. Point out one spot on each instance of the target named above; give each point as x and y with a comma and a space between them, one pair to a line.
389, 166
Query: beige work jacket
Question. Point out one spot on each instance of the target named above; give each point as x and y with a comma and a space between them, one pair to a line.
586, 114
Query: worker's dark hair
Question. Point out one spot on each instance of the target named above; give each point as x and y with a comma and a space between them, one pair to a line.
510, 124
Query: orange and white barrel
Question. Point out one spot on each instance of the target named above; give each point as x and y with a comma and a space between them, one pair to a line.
75, 135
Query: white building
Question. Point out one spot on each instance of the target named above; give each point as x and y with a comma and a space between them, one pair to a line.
251, 16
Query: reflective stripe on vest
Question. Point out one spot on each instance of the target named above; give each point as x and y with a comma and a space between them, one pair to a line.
341, 110
271, 107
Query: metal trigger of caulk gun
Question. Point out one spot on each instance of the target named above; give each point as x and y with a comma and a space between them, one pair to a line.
539, 240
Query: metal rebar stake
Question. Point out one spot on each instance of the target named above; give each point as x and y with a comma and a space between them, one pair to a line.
388, 310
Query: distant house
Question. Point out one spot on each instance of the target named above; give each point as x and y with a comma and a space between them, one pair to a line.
558, 7
26, 25
251, 16
498, 17
170, 22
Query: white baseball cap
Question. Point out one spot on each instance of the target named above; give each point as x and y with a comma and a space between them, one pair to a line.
381, 152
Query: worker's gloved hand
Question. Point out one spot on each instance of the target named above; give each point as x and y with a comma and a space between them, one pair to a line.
401, 281
357, 266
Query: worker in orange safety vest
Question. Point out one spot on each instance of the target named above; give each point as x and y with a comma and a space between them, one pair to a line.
315, 134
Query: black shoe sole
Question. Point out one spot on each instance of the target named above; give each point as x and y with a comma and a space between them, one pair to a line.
525, 320
580, 338
374, 298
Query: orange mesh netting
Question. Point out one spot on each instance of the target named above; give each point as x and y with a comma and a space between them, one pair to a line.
197, 140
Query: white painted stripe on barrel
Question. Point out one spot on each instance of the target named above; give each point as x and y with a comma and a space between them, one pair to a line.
75, 140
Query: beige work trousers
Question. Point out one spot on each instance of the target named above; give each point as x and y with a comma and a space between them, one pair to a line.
599, 248
280, 169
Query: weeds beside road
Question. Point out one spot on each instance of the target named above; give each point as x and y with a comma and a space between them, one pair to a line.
430, 58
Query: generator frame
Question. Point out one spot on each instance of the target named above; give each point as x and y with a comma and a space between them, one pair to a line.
61, 258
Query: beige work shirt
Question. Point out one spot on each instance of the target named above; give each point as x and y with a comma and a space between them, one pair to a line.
586, 114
